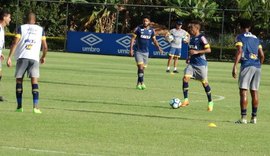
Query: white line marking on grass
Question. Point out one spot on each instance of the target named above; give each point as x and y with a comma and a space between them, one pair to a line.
43, 151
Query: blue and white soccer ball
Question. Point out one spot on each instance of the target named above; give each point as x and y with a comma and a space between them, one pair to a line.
175, 103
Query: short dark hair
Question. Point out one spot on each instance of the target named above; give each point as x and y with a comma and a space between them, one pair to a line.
197, 22
245, 23
147, 16
3, 13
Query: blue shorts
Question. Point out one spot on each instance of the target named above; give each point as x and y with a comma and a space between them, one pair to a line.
175, 52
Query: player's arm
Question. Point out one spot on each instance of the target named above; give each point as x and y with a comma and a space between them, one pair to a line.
154, 39
132, 41
44, 49
12, 49
261, 54
238, 56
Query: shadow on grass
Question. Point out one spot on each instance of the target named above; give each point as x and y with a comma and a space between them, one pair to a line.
109, 103
85, 85
135, 115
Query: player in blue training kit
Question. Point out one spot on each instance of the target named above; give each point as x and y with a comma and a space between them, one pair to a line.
197, 64
251, 56
143, 35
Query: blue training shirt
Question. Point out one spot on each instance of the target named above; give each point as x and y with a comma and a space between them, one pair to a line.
198, 43
250, 46
143, 38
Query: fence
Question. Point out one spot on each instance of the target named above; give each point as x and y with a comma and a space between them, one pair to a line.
219, 28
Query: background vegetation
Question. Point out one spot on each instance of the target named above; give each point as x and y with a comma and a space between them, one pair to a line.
220, 17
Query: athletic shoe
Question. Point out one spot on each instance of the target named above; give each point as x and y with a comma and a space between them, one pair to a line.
241, 121
253, 120
175, 71
19, 110
143, 86
36, 111
210, 106
167, 71
185, 103
139, 87
1, 99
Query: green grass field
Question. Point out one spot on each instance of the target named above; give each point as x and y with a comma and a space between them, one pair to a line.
91, 107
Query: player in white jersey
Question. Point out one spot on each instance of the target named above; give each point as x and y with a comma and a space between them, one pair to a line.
27, 45
4, 21
176, 45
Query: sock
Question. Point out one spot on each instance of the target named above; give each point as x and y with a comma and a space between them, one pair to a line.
35, 94
19, 91
254, 111
140, 75
208, 93
175, 68
168, 68
243, 113
185, 90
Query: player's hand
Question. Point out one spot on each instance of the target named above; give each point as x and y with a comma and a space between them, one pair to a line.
2, 57
193, 52
9, 62
160, 50
187, 61
42, 60
234, 72
131, 52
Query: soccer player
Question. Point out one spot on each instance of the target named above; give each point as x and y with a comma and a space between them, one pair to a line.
175, 52
143, 35
251, 56
4, 21
27, 45
197, 64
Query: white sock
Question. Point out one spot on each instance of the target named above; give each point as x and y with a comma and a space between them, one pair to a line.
168, 68
175, 68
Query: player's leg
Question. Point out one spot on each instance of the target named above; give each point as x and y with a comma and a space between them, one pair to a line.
244, 81
243, 106
254, 85
145, 63
21, 66
140, 69
33, 73
176, 57
188, 73
1, 97
207, 90
255, 103
169, 63
171, 56
19, 92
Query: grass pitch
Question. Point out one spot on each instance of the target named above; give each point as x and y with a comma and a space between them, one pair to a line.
91, 107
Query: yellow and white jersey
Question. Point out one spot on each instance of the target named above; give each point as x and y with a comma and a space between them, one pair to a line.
2, 39
31, 37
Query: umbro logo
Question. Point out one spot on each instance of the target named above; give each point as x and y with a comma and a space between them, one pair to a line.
124, 41
91, 39
163, 43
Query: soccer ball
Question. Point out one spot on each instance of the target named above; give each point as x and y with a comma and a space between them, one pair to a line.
169, 38
175, 103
